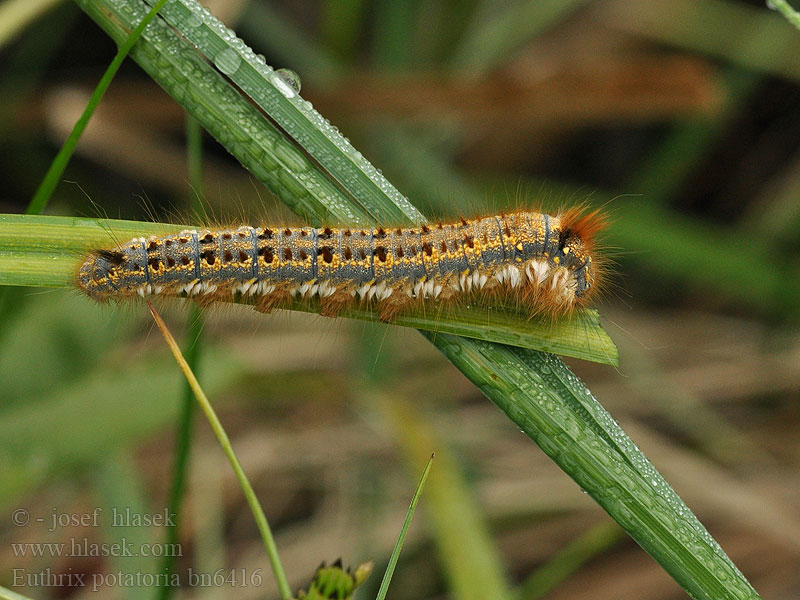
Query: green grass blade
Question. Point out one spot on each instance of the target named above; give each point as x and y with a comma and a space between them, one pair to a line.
53, 175
15, 15
224, 112
227, 447
468, 554
786, 10
503, 30
540, 394
46, 251
293, 114
387, 576
6, 594
194, 155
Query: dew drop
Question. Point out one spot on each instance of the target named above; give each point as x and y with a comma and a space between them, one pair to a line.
193, 20
228, 61
283, 87
290, 78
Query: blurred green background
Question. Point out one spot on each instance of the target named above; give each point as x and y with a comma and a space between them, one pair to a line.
681, 118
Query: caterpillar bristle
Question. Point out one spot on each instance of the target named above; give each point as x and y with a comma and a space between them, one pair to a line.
586, 223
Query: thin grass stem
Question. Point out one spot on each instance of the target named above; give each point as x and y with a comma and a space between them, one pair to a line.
194, 159
53, 175
387, 576
786, 10
224, 441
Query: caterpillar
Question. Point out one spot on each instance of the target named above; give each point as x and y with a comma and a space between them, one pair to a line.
545, 262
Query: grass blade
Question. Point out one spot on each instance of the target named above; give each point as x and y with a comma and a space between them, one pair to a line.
6, 594
224, 112
46, 251
387, 576
471, 563
224, 441
16, 14
552, 407
295, 116
786, 10
504, 30
53, 175
195, 328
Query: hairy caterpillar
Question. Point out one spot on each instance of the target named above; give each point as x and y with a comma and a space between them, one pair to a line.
545, 262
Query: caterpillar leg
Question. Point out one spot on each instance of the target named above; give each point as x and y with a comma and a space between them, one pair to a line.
332, 305
271, 300
390, 307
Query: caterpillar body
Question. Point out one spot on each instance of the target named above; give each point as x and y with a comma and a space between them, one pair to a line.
545, 262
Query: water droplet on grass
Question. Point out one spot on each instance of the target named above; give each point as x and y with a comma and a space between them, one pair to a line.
193, 20
291, 78
283, 86
228, 61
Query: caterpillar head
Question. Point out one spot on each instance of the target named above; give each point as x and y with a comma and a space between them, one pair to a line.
578, 260
577, 243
